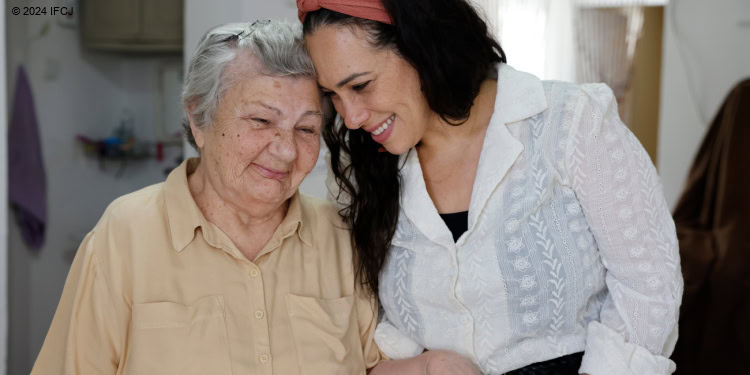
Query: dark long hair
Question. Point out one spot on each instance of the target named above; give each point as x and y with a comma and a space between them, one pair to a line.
452, 50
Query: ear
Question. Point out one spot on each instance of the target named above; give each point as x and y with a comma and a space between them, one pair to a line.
198, 133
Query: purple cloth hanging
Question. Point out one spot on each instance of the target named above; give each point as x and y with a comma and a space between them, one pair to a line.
27, 183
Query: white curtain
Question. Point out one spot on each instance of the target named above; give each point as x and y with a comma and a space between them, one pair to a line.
606, 39
607, 32
569, 40
537, 35
560, 42
488, 9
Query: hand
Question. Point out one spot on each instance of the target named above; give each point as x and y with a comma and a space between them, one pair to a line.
443, 362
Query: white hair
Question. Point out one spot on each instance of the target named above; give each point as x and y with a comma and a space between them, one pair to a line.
277, 46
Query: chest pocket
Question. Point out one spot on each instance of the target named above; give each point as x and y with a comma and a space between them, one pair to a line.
172, 338
326, 335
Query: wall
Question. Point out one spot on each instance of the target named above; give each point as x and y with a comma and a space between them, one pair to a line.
18, 260
706, 52
200, 16
3, 207
75, 91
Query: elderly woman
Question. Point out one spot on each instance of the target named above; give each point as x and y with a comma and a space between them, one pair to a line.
513, 221
224, 268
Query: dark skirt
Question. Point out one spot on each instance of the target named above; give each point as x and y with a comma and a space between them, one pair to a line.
565, 365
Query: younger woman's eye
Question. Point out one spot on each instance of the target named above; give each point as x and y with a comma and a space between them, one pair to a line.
360, 86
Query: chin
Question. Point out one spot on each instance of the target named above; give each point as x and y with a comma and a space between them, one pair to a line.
271, 190
270, 198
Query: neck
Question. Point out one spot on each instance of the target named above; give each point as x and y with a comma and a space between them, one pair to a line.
250, 228
442, 135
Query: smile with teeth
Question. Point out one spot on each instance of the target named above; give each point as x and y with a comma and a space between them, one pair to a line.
385, 125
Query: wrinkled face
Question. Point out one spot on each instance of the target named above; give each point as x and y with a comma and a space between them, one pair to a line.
264, 140
373, 90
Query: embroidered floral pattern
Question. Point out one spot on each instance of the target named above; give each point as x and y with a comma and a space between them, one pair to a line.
511, 225
521, 264
579, 203
515, 244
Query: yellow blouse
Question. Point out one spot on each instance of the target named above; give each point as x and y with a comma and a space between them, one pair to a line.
157, 289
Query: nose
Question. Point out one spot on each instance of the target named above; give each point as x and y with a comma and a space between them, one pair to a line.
353, 112
283, 146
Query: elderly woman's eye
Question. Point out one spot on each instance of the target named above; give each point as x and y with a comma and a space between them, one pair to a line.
261, 120
307, 130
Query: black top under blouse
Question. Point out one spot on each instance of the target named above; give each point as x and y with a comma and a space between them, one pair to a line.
457, 222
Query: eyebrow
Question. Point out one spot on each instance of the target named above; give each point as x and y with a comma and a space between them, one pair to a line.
350, 78
270, 107
278, 111
312, 113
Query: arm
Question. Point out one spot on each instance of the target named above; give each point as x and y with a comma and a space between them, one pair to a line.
410, 358
622, 199
434, 362
376, 361
411, 366
84, 337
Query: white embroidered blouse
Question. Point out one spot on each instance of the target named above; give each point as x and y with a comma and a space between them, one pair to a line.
570, 247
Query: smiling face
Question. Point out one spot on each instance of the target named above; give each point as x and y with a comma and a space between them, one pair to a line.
373, 90
264, 140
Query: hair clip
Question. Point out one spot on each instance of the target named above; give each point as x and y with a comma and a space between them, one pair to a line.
245, 33
260, 23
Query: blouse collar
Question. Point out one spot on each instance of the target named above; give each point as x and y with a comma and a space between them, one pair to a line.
519, 96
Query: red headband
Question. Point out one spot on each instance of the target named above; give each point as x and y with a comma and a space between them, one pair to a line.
367, 9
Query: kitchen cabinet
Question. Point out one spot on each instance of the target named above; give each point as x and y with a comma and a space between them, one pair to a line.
133, 25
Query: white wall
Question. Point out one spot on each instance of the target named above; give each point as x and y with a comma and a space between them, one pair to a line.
87, 95
200, 16
707, 56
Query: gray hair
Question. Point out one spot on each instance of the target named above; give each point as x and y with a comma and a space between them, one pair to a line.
277, 46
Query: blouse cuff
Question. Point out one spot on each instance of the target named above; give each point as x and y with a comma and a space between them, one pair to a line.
394, 344
607, 353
